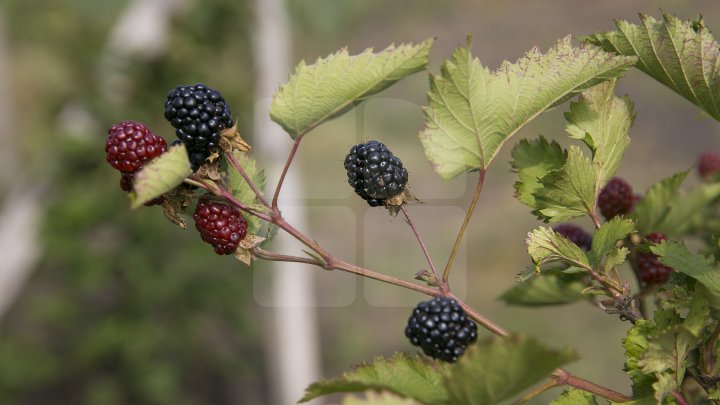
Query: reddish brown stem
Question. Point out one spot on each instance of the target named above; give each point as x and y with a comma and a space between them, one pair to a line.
565, 378
234, 163
288, 162
443, 286
679, 398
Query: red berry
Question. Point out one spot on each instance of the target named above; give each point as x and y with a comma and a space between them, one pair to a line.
130, 145
616, 198
649, 268
220, 225
709, 164
576, 235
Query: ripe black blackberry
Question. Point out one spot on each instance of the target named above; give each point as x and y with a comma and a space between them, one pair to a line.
709, 164
130, 145
199, 114
576, 235
649, 268
220, 225
441, 328
616, 198
375, 173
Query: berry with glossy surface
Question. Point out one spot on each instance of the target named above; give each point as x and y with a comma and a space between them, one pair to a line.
199, 114
130, 145
616, 198
576, 235
441, 328
649, 268
374, 172
709, 164
220, 225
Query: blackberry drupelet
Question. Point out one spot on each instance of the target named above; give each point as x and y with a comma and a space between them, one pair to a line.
616, 198
649, 269
441, 328
576, 235
199, 114
220, 225
130, 145
375, 173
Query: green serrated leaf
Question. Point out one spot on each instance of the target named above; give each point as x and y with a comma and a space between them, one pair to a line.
533, 160
496, 369
383, 398
242, 191
605, 239
574, 397
651, 210
567, 193
690, 210
408, 376
602, 121
161, 175
673, 53
698, 313
545, 246
472, 112
700, 268
333, 85
548, 288
636, 344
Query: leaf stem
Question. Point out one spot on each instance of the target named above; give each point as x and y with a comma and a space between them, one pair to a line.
443, 286
463, 227
679, 398
563, 377
537, 391
234, 163
288, 162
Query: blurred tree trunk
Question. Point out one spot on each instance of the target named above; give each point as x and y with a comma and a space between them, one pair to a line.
294, 353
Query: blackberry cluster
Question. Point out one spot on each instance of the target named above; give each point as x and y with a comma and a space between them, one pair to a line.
375, 173
709, 164
649, 269
441, 328
199, 114
576, 235
616, 198
128, 147
220, 225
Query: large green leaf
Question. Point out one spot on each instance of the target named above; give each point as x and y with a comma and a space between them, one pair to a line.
533, 160
700, 268
496, 369
161, 175
655, 205
547, 288
681, 55
690, 210
473, 111
574, 397
546, 246
408, 376
333, 85
383, 398
242, 191
570, 192
602, 121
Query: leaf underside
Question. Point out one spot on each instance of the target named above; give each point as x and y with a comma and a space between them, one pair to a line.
161, 175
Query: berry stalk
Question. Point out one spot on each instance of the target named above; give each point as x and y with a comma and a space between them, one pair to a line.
443, 286
288, 162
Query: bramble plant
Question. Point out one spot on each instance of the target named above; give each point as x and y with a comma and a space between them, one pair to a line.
671, 352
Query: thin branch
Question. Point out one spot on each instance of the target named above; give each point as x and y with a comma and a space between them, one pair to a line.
481, 319
565, 378
234, 201
537, 391
276, 257
443, 286
234, 163
679, 398
289, 160
461, 233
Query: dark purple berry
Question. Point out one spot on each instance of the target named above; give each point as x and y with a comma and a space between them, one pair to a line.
616, 198
576, 235
220, 225
649, 269
441, 328
375, 173
709, 164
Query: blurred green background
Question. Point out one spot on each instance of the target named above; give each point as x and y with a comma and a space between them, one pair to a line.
122, 307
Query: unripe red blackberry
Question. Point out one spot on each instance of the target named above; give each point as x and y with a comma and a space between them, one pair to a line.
616, 198
220, 225
649, 268
709, 164
441, 328
199, 114
130, 145
374, 172
576, 235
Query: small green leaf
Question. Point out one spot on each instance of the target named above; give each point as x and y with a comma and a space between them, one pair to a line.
242, 191
672, 52
548, 288
654, 206
574, 397
472, 112
605, 239
568, 193
332, 86
700, 268
698, 314
496, 369
408, 376
533, 160
602, 121
161, 175
636, 344
546, 245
